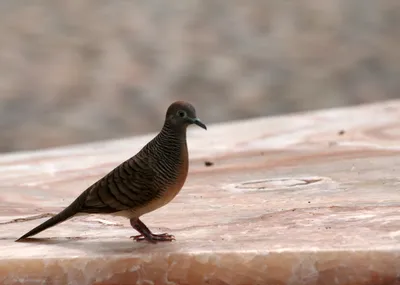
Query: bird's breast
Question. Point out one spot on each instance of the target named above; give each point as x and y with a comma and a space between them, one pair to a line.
179, 177
171, 176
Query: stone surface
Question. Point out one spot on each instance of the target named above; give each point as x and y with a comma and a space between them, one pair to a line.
77, 71
301, 199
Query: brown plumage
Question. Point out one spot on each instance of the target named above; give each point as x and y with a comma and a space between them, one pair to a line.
141, 184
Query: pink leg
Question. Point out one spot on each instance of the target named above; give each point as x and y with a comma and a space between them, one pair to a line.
146, 234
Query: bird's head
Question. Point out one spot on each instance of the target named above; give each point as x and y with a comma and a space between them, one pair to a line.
182, 114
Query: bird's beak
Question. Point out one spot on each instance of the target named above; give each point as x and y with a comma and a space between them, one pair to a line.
199, 123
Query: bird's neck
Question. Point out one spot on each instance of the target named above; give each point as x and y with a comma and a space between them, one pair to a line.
173, 133
171, 140
172, 150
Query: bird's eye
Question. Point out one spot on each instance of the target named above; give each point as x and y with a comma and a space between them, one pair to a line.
181, 113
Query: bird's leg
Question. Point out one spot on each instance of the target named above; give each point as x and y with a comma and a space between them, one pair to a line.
146, 234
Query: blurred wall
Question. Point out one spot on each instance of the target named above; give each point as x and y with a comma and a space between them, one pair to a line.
74, 71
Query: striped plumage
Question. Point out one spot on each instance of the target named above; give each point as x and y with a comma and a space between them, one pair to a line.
143, 183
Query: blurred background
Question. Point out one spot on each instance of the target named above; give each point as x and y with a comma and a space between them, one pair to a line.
74, 71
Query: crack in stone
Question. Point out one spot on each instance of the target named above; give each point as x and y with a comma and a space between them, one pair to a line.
21, 220
48, 215
274, 183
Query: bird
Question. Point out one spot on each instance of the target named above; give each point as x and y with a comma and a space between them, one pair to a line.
141, 184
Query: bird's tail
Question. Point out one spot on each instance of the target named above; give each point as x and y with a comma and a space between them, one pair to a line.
64, 215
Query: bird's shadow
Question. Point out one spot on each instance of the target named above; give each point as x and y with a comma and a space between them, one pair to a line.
103, 246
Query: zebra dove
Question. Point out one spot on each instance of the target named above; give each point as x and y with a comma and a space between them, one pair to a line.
141, 184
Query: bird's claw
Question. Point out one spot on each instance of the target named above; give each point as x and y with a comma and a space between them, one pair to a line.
154, 237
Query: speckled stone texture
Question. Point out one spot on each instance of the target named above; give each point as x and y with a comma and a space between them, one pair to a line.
76, 71
310, 199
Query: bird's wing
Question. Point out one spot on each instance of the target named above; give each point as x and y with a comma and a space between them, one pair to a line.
128, 186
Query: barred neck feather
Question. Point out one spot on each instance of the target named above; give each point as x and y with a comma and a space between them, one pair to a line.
172, 142
171, 155
172, 136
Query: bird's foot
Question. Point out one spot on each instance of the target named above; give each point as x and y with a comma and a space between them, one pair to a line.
154, 237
